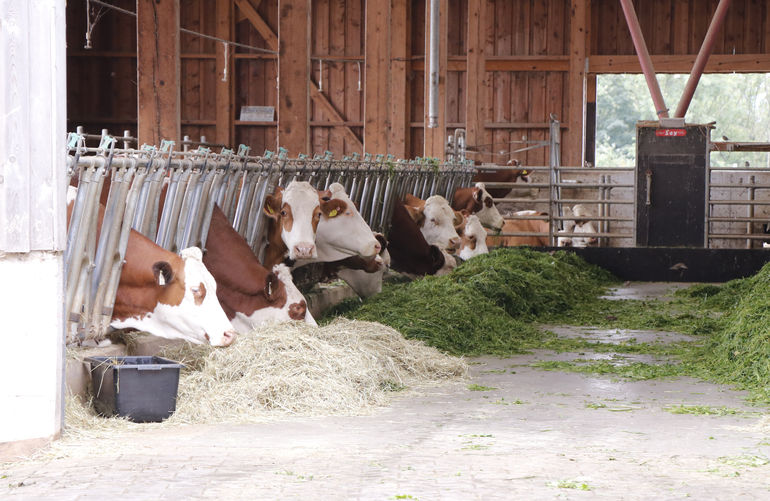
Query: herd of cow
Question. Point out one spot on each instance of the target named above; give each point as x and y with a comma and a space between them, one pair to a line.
209, 297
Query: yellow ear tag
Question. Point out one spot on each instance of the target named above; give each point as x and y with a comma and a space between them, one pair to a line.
333, 213
524, 173
270, 210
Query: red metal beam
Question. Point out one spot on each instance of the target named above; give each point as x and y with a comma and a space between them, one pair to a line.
644, 58
702, 59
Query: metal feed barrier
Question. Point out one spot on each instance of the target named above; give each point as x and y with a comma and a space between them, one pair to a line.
197, 180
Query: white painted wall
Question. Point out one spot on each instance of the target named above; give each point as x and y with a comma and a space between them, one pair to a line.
32, 218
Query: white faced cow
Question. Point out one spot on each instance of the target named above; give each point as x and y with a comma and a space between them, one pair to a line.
474, 238
437, 221
342, 232
478, 201
581, 224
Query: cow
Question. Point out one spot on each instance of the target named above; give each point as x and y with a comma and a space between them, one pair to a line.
476, 200
473, 238
523, 226
250, 295
297, 214
168, 295
502, 176
437, 221
580, 224
364, 276
409, 252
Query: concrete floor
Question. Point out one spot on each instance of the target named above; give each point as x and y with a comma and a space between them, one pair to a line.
527, 434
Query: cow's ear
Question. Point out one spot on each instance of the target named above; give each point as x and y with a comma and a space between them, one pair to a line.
478, 195
324, 196
273, 206
333, 208
271, 286
416, 213
163, 273
459, 219
412, 200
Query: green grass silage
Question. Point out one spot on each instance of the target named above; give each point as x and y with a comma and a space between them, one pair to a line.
487, 305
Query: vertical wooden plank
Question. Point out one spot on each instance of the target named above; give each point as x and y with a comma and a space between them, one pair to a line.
294, 75
158, 70
753, 28
354, 46
336, 71
376, 76
572, 149
733, 28
435, 137
399, 88
590, 125
476, 76
225, 67
679, 26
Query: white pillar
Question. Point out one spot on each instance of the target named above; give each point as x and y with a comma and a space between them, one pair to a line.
32, 222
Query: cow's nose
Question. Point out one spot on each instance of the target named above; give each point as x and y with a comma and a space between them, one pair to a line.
377, 247
304, 250
454, 243
227, 339
297, 310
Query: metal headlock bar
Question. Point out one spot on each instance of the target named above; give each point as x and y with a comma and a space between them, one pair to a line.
169, 197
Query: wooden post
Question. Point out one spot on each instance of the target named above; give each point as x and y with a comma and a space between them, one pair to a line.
158, 70
225, 73
376, 90
578, 42
475, 74
400, 130
33, 107
294, 75
435, 138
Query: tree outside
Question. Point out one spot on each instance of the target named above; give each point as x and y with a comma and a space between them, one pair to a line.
739, 104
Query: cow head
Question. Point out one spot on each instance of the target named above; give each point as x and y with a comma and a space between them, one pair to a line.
580, 224
473, 239
297, 211
186, 305
342, 232
437, 221
486, 210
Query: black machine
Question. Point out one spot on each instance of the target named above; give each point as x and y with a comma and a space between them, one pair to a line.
671, 169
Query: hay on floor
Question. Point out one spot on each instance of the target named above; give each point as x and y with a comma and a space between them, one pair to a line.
345, 367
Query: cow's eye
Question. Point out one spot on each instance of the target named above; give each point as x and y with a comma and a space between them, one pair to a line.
283, 212
434, 221
472, 238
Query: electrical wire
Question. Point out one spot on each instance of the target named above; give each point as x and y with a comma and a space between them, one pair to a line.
189, 32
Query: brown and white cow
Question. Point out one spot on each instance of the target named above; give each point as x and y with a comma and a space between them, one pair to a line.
300, 213
502, 176
476, 200
474, 238
251, 295
364, 276
409, 252
522, 226
168, 295
580, 224
437, 221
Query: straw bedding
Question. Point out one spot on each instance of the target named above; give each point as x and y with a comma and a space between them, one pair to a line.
345, 367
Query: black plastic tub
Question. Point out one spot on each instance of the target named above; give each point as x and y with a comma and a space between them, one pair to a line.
142, 389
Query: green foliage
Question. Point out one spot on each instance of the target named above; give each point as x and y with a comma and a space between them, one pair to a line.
737, 103
486, 305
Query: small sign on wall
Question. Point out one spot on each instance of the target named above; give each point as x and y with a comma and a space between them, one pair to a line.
257, 113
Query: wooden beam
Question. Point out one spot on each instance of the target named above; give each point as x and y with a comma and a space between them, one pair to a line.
507, 63
398, 139
476, 77
225, 132
256, 20
572, 150
376, 76
718, 63
294, 75
158, 70
322, 101
435, 137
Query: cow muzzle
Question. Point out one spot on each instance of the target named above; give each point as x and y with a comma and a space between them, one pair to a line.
304, 250
454, 245
297, 310
226, 340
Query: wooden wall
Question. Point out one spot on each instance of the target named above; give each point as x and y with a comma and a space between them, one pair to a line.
528, 60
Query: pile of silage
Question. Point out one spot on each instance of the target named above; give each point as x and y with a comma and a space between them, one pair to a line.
486, 305
739, 351
345, 367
